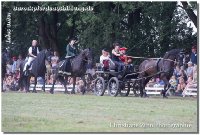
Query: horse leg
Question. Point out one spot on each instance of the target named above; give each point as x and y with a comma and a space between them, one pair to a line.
166, 87
144, 83
35, 83
84, 89
141, 88
43, 87
74, 82
27, 83
64, 83
54, 81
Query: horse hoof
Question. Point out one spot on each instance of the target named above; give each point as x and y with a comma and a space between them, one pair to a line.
165, 97
72, 92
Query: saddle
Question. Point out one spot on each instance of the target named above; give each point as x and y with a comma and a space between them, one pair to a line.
66, 66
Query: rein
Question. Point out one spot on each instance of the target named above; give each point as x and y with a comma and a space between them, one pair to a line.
152, 58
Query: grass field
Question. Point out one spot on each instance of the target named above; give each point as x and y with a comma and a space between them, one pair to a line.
42, 112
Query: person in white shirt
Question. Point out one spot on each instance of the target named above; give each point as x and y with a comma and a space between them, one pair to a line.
105, 60
14, 65
33, 51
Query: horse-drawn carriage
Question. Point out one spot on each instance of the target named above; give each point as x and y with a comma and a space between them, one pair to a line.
116, 82
122, 82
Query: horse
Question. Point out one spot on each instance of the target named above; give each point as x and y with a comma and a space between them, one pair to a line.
162, 67
38, 70
77, 67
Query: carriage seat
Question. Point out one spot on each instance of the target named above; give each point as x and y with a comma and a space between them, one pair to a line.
105, 66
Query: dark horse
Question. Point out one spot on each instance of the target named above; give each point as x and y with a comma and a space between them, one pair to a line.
38, 70
77, 66
163, 68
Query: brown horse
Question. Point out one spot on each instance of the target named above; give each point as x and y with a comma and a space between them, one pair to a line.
163, 68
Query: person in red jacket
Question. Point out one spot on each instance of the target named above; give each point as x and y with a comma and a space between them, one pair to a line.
124, 58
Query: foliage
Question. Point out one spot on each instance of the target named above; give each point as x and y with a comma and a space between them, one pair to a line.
146, 28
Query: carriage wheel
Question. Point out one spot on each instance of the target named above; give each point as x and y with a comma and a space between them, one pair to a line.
124, 92
113, 86
136, 88
99, 86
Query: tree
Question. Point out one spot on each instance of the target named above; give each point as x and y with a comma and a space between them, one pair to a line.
190, 12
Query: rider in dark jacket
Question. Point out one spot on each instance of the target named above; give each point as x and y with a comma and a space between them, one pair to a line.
71, 51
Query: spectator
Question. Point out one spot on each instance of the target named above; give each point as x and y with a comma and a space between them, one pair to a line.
14, 65
19, 61
181, 85
50, 80
7, 54
54, 61
8, 67
177, 72
195, 74
159, 83
189, 70
48, 70
151, 82
190, 84
181, 58
173, 81
183, 74
186, 60
10, 82
194, 55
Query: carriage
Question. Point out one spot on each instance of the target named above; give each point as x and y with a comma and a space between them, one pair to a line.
122, 82
116, 82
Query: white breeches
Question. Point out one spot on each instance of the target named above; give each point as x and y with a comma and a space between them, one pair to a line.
30, 59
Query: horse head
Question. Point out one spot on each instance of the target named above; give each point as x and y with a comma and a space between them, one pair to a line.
48, 54
174, 55
87, 54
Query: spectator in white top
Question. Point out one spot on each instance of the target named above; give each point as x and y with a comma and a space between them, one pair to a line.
189, 70
14, 65
19, 61
33, 52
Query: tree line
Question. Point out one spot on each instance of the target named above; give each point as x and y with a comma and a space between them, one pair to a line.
147, 28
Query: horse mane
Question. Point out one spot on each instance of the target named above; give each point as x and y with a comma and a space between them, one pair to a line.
171, 52
38, 62
39, 57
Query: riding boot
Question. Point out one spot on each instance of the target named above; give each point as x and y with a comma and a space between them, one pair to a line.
26, 71
62, 68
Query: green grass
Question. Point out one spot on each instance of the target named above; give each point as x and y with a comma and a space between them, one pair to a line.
42, 112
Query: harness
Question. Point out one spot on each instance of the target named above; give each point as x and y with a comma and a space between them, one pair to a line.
157, 62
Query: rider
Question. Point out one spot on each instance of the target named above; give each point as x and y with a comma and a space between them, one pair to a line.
115, 57
72, 51
32, 52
